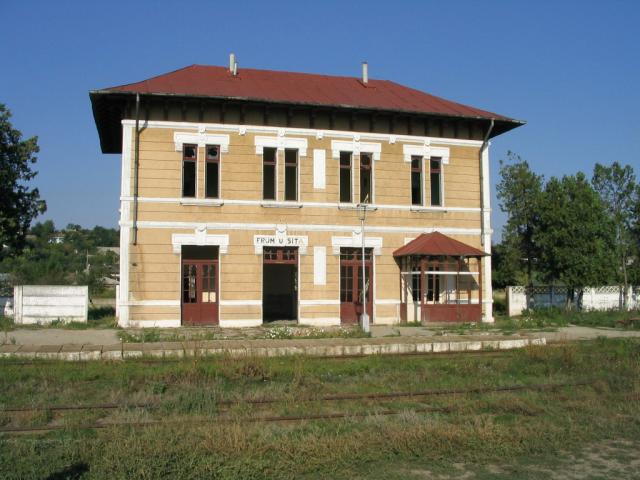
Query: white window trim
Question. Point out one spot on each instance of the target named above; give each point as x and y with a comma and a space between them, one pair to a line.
280, 143
352, 179
442, 204
426, 151
182, 173
355, 241
372, 199
275, 173
355, 146
218, 199
297, 200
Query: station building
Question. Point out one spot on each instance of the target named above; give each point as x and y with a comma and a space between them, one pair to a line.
244, 192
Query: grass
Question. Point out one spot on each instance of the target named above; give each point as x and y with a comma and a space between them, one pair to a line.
547, 319
511, 429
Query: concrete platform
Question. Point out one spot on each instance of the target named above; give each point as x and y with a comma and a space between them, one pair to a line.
325, 347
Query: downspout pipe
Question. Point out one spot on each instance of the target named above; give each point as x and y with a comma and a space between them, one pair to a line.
485, 143
136, 162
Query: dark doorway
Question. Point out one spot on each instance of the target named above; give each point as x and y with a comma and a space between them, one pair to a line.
280, 284
199, 285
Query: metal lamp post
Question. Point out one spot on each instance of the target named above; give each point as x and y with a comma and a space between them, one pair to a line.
364, 318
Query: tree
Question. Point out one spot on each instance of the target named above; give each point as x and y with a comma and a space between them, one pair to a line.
617, 188
519, 193
19, 204
575, 235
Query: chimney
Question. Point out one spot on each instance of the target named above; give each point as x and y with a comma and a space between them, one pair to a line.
232, 62
365, 73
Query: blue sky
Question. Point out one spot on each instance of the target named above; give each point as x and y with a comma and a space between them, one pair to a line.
571, 69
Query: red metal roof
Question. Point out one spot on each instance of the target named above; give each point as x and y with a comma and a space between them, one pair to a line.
437, 244
299, 88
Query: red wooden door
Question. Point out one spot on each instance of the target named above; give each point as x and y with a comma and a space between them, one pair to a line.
351, 284
199, 292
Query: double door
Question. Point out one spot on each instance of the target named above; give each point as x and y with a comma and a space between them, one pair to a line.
351, 297
199, 292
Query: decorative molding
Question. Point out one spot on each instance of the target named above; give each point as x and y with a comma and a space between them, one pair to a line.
356, 147
319, 265
201, 139
200, 237
426, 151
442, 152
319, 169
355, 241
289, 204
281, 142
423, 150
301, 227
319, 134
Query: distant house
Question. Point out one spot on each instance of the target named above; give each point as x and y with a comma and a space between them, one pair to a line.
242, 191
57, 239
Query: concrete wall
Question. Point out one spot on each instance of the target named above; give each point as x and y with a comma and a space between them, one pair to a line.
593, 298
47, 303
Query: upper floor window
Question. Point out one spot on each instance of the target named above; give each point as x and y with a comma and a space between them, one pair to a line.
212, 172
435, 179
269, 177
366, 178
416, 180
345, 177
291, 174
189, 158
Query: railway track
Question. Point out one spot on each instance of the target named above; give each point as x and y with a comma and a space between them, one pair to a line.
370, 397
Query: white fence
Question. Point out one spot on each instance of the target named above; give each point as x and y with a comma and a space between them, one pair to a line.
48, 303
590, 298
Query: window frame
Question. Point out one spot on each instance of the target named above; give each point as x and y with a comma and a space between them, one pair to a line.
371, 177
438, 171
193, 160
419, 170
297, 179
275, 174
217, 161
350, 168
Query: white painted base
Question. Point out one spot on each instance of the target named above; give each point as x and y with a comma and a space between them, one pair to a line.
386, 321
249, 322
170, 323
320, 322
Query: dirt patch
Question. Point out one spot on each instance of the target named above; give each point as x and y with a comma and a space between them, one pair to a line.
618, 459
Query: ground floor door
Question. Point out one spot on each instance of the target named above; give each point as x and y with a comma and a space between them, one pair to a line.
200, 277
280, 284
351, 298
